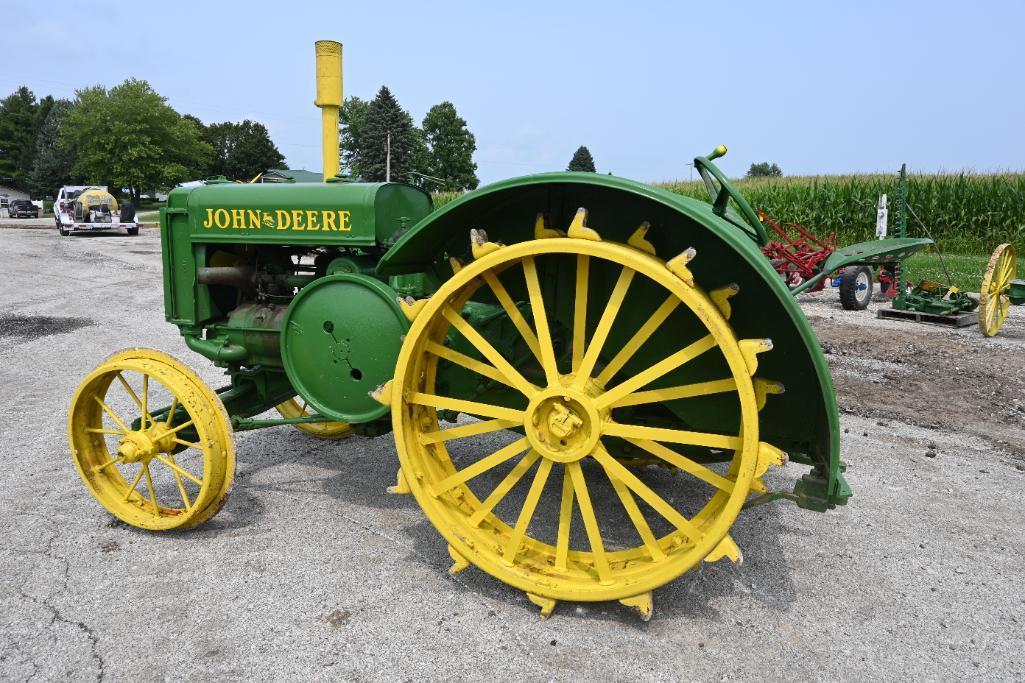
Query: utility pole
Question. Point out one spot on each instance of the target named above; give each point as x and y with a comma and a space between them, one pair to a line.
387, 166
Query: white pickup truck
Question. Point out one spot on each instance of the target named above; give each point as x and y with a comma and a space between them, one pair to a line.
91, 208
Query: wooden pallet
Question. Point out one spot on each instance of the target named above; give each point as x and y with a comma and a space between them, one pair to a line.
957, 320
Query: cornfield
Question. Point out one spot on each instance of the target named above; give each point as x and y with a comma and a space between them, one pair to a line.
965, 213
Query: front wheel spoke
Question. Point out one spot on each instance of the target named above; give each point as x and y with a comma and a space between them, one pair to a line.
94, 430
503, 489
188, 444
641, 379
152, 493
140, 403
468, 407
680, 436
601, 332
565, 520
177, 477
686, 464
135, 482
100, 468
471, 364
480, 467
601, 560
719, 386
580, 310
177, 429
177, 469
171, 411
614, 469
460, 432
512, 375
515, 316
637, 517
544, 334
642, 335
113, 415
527, 511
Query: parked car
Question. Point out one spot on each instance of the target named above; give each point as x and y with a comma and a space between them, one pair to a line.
22, 208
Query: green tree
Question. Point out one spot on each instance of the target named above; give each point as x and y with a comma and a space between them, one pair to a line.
241, 150
129, 137
581, 161
53, 161
18, 125
764, 170
386, 119
450, 147
351, 119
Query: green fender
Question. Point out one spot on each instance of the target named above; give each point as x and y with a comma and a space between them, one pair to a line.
802, 421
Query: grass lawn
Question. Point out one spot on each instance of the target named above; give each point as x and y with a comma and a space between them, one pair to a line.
965, 270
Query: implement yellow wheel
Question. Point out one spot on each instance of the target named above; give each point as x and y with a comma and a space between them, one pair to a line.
152, 442
993, 300
322, 430
472, 479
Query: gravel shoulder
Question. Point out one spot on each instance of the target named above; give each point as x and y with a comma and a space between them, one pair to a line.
313, 572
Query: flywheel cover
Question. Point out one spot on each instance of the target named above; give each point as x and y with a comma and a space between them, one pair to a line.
340, 339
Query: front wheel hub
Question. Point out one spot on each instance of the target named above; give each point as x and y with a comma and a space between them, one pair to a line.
564, 424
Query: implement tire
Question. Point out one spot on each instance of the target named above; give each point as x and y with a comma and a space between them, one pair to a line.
855, 288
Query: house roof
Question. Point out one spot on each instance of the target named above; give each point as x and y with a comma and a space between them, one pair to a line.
297, 174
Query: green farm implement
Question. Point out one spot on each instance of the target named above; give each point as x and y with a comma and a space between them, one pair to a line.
545, 369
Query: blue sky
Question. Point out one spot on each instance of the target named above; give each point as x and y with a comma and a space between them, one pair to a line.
817, 87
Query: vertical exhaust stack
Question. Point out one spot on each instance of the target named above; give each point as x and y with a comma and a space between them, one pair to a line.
329, 99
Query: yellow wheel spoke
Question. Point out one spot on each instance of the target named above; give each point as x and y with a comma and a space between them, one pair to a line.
544, 336
471, 364
177, 429
642, 335
565, 520
637, 517
614, 469
680, 436
481, 466
141, 403
686, 464
94, 430
503, 489
113, 416
100, 468
468, 407
181, 484
177, 469
504, 367
466, 430
657, 370
718, 386
135, 482
601, 333
601, 560
514, 314
580, 310
170, 413
188, 444
527, 511
149, 485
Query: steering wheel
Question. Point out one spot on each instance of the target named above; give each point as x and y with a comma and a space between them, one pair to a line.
721, 191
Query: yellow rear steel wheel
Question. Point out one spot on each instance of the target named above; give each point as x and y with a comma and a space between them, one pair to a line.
138, 467
993, 300
564, 425
322, 430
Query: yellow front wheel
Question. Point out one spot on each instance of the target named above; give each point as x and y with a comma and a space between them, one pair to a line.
151, 441
322, 430
994, 302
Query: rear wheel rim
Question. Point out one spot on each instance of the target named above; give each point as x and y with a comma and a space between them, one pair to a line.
574, 406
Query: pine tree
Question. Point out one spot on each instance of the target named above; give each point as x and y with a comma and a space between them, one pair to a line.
384, 118
581, 161
450, 148
18, 125
53, 162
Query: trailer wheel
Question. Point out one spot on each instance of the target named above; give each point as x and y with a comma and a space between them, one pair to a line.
855, 288
133, 231
61, 230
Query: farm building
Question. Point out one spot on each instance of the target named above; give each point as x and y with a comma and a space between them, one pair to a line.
282, 175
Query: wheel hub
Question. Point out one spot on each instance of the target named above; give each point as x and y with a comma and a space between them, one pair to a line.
143, 444
564, 424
